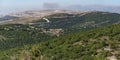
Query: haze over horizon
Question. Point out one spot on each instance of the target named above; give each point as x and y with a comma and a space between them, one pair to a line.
8, 6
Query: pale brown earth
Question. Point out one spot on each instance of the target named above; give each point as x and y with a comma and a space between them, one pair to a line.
29, 16
23, 20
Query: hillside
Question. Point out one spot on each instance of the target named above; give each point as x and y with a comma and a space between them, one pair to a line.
78, 22
17, 35
29, 16
61, 36
65, 20
7, 17
96, 44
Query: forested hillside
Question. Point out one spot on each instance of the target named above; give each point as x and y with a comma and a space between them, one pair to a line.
78, 22
85, 36
97, 44
18, 35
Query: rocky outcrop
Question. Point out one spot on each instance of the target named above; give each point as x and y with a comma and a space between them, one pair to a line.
53, 32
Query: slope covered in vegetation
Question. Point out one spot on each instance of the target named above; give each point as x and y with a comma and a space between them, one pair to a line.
18, 35
78, 22
79, 36
96, 44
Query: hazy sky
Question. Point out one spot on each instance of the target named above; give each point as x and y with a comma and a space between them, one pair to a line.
11, 5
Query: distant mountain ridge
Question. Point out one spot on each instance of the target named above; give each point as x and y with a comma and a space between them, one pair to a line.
41, 13
34, 15
112, 9
105, 8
